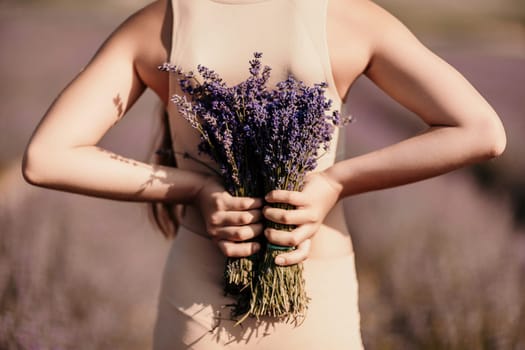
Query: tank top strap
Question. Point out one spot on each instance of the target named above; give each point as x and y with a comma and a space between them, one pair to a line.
315, 17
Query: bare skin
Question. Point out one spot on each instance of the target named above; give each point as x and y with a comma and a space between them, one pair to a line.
363, 39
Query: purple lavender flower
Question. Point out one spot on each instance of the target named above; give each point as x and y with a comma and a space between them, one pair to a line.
261, 138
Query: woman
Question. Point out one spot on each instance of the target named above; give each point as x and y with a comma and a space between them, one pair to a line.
316, 40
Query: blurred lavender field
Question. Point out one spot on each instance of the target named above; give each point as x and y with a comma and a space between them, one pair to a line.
441, 263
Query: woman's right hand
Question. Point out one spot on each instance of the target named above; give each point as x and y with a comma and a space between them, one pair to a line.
231, 222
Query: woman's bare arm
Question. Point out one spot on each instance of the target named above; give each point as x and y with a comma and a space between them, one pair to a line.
462, 127
63, 152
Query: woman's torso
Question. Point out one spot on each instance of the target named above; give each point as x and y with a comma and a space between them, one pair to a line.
301, 37
223, 35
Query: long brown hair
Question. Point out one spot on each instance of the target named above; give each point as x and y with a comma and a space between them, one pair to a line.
164, 215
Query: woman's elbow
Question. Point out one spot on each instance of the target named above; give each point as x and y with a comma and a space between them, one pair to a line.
33, 165
498, 145
491, 137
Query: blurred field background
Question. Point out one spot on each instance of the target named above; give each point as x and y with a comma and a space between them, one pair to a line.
441, 263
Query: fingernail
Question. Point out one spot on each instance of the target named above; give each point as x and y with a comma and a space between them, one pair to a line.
280, 260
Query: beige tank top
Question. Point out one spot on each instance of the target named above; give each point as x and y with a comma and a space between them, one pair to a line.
223, 35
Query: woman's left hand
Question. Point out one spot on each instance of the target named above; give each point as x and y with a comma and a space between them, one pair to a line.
312, 204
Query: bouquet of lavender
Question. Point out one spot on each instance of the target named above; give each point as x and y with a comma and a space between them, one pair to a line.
220, 114
261, 139
296, 132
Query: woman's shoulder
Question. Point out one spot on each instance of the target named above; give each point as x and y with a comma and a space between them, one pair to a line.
145, 28
359, 30
365, 18
144, 39
151, 30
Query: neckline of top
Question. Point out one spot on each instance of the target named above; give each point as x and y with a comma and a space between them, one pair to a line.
238, 2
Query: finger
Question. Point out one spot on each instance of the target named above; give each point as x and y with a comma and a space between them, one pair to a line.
289, 238
238, 250
236, 218
243, 203
290, 197
237, 233
294, 256
289, 216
